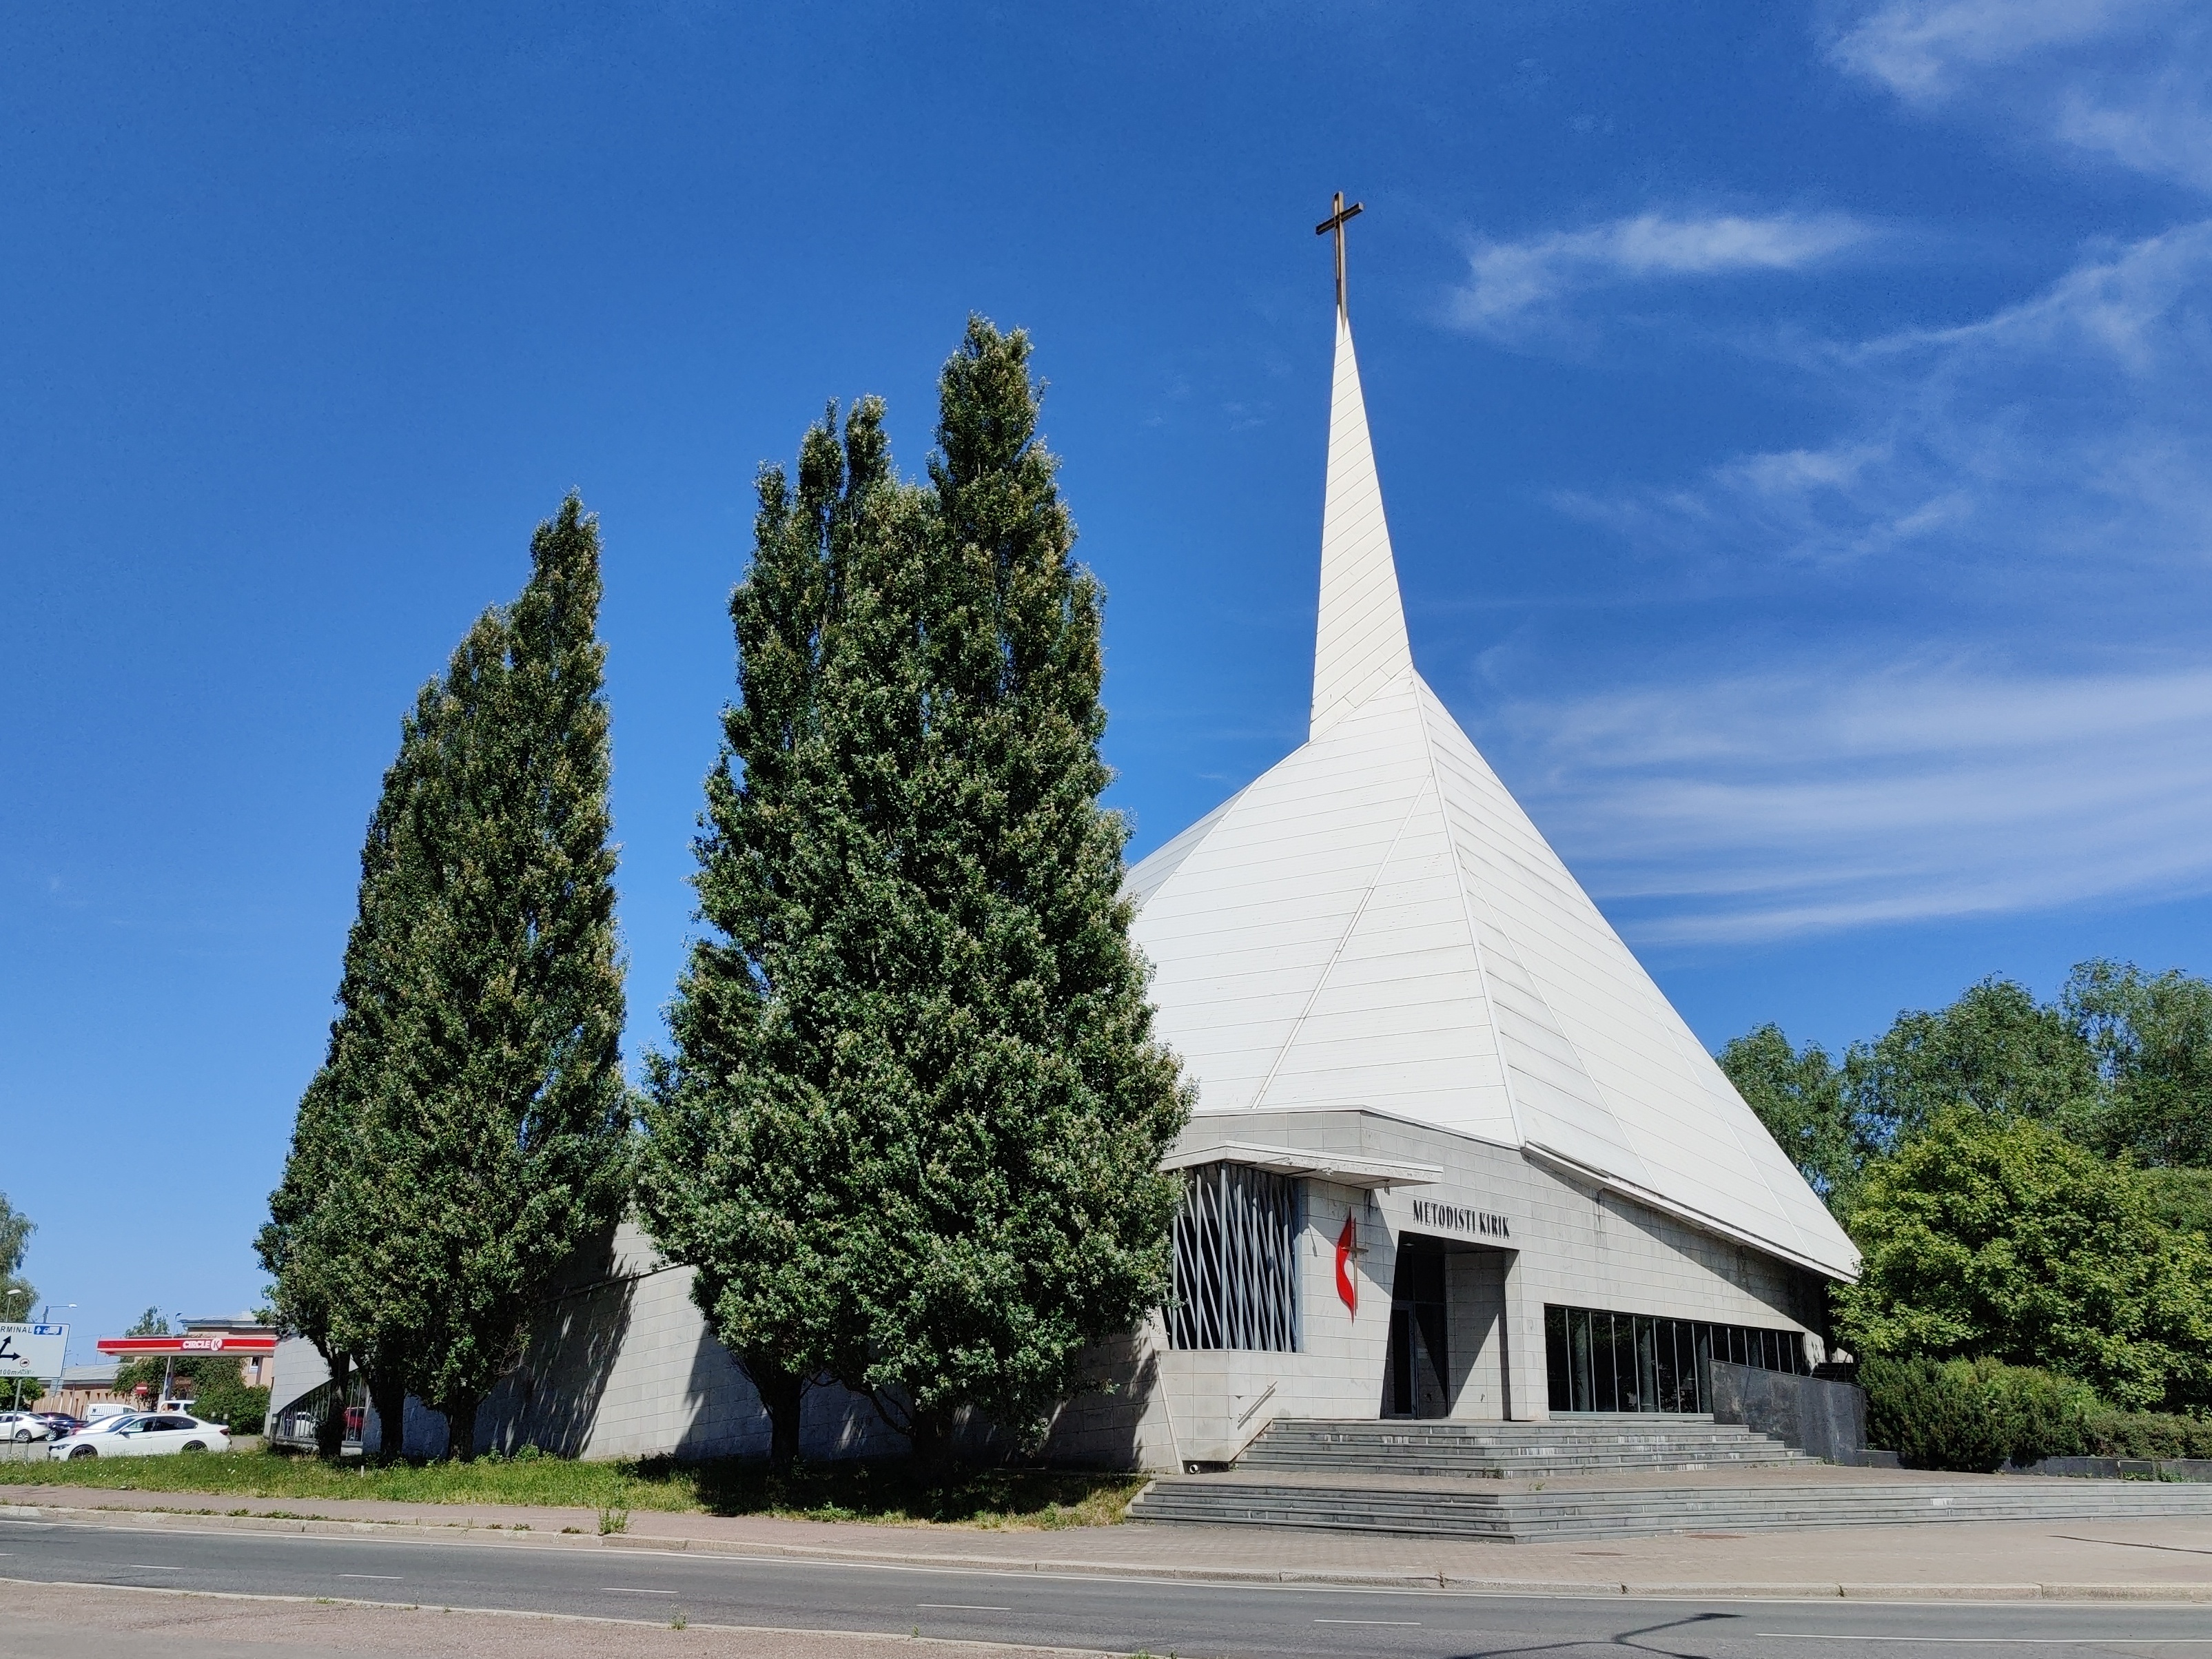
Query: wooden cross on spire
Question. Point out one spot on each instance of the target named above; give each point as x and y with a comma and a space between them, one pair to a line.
1336, 221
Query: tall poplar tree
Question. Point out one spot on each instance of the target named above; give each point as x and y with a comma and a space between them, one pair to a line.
472, 1128
501, 1134
743, 1173
921, 1052
1018, 1213
317, 1243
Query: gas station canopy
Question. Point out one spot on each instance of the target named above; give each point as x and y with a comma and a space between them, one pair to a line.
138, 1347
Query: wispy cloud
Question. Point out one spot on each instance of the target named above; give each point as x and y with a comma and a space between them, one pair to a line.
1511, 285
1926, 49
2130, 80
1768, 805
2071, 426
2038, 481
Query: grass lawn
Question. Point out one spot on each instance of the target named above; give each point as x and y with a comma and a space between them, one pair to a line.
824, 1492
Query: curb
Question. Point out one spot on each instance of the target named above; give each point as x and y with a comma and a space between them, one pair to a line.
525, 1535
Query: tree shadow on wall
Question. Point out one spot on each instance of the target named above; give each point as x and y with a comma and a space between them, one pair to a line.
552, 1400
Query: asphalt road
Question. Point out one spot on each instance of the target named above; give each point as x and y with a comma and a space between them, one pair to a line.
1237, 1621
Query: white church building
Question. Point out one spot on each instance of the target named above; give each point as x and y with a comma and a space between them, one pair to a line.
1454, 1155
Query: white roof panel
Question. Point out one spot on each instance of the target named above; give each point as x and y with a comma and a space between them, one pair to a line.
1376, 922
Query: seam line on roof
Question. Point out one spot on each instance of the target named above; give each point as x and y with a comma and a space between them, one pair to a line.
1467, 917
1674, 1030
1196, 834
1260, 1095
1600, 1096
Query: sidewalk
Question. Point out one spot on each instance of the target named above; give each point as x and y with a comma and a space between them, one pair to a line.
2161, 1561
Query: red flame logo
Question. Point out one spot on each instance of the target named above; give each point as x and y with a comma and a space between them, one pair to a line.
1347, 1286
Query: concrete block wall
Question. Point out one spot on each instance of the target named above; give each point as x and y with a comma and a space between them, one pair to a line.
1122, 1422
1580, 1245
1475, 1285
620, 1364
1569, 1243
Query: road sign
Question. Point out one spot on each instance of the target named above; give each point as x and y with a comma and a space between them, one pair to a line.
32, 1350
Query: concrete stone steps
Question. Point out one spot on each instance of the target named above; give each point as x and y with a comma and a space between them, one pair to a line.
1478, 1450
1415, 1460
1467, 1510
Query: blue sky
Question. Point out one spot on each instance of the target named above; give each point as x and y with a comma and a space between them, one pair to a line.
1793, 422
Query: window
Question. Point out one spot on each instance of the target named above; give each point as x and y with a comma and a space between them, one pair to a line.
1618, 1362
1236, 1260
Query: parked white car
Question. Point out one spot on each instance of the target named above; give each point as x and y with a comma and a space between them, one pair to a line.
142, 1435
22, 1428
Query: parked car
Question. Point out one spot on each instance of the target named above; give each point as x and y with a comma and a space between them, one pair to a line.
150, 1435
60, 1422
22, 1427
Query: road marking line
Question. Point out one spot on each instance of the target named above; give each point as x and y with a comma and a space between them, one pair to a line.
392, 1578
147, 1566
962, 1607
624, 1590
1396, 1623
1979, 1641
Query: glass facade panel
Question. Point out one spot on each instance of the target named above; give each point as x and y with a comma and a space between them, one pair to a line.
1559, 1362
1598, 1361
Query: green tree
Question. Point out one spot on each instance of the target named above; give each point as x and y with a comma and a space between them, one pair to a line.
2182, 1199
744, 1168
221, 1394
16, 1294
1014, 1211
496, 1137
1802, 1098
149, 1373
322, 1244
306, 1242
1991, 1236
2152, 1038
927, 1008
1995, 1048
471, 1127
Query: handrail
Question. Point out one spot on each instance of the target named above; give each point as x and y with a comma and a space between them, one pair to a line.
1244, 1437
1263, 1397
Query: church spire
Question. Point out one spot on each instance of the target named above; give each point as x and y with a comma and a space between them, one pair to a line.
1361, 642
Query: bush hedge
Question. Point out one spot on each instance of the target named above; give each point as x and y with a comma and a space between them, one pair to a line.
2148, 1434
1972, 1415
228, 1401
1975, 1415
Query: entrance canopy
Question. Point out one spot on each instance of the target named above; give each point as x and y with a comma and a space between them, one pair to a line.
1343, 1169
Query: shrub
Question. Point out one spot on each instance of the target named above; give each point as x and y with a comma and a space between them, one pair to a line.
1924, 1410
2146, 1434
1974, 1415
228, 1401
2044, 1413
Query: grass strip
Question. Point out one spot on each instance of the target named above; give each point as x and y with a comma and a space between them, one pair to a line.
884, 1493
